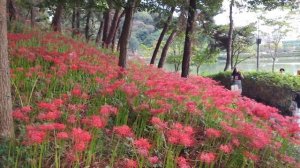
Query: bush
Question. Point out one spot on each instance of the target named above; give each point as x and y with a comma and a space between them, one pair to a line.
270, 88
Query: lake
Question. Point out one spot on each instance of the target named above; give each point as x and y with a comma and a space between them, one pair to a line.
290, 64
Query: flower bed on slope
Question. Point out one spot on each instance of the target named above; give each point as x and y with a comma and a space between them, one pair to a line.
74, 107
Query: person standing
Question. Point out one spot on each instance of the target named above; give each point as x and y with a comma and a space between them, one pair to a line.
281, 70
236, 78
294, 107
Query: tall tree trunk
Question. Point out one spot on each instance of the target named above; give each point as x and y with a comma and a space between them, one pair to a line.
198, 68
162, 34
273, 64
188, 39
230, 32
113, 28
12, 10
117, 30
106, 18
33, 11
232, 56
129, 10
87, 26
99, 34
73, 20
6, 120
166, 48
56, 22
77, 16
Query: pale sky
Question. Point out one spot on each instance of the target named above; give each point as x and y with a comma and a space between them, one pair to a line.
242, 18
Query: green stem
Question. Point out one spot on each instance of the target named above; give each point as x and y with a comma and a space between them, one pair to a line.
114, 153
33, 87
17, 92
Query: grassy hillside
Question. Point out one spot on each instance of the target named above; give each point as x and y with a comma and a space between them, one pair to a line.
74, 107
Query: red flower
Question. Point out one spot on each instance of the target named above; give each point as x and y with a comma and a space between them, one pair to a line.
123, 131
96, 122
153, 159
182, 163
143, 146
226, 148
35, 136
207, 157
107, 110
213, 133
131, 163
62, 135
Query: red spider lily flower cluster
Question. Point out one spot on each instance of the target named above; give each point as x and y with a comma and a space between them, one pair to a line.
172, 108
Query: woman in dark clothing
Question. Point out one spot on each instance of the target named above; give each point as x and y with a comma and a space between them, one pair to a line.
236, 78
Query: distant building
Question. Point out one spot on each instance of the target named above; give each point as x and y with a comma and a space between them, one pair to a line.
291, 45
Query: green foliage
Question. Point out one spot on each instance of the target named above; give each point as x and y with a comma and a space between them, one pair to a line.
274, 79
204, 56
133, 44
273, 89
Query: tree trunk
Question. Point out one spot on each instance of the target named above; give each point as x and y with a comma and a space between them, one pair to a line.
166, 48
188, 39
77, 16
106, 18
116, 31
6, 120
56, 22
129, 10
87, 26
232, 56
12, 10
162, 34
273, 65
198, 68
33, 11
73, 20
113, 28
230, 32
98, 37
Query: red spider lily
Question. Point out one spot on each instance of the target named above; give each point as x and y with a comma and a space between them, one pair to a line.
131, 163
213, 133
34, 135
192, 108
72, 119
143, 146
76, 91
81, 139
207, 157
95, 121
107, 110
62, 135
182, 162
52, 115
180, 135
131, 90
226, 148
52, 126
160, 125
153, 160
26, 109
47, 106
236, 142
18, 114
123, 131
